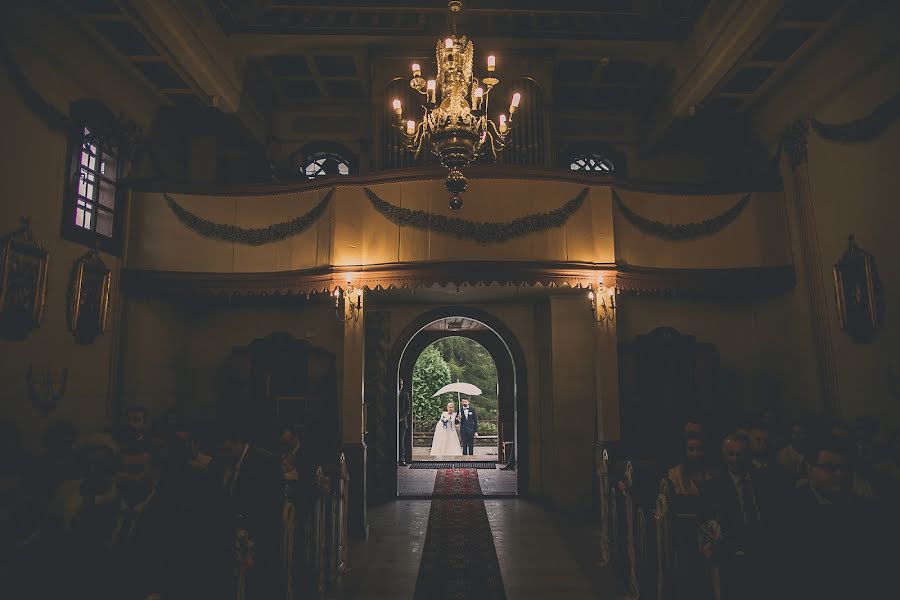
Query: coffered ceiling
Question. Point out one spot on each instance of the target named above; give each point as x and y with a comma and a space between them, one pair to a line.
664, 61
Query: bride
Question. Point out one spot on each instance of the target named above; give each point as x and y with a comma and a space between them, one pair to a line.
446, 438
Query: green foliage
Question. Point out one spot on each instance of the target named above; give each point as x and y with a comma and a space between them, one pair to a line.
430, 374
470, 362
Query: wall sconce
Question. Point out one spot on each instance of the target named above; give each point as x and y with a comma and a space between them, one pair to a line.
603, 304
354, 307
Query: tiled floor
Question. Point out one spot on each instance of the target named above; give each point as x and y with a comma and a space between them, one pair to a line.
495, 482
541, 555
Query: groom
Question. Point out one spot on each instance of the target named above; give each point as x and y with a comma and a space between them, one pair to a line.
468, 426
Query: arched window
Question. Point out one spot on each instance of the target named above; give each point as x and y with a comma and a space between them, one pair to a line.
324, 158
592, 162
592, 157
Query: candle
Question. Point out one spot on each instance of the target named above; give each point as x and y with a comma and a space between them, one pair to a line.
431, 91
398, 107
417, 70
410, 127
477, 97
492, 63
502, 119
448, 43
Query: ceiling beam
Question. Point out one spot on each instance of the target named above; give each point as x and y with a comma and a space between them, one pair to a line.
721, 39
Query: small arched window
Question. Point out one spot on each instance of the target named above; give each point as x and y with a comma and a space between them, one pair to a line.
317, 160
593, 157
592, 162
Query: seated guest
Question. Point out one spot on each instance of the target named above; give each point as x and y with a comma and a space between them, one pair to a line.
128, 549
135, 429
790, 458
887, 471
834, 540
251, 485
95, 485
759, 445
289, 449
865, 430
688, 476
742, 501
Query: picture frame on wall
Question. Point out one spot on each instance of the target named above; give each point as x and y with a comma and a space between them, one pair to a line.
23, 282
856, 288
89, 297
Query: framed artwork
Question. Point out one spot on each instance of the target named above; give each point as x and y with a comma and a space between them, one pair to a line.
89, 297
856, 287
23, 282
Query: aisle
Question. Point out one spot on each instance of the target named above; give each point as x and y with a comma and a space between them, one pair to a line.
459, 560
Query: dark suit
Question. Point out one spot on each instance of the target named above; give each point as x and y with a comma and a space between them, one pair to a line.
747, 526
467, 428
112, 560
253, 501
836, 550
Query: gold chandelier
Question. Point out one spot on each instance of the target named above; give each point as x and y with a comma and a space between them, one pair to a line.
455, 125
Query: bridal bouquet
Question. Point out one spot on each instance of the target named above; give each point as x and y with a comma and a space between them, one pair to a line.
446, 422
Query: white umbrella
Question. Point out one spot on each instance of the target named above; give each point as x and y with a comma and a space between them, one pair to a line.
462, 388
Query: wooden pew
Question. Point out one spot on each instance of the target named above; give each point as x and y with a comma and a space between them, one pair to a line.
336, 522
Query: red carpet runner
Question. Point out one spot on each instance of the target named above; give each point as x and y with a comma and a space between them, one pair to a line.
459, 561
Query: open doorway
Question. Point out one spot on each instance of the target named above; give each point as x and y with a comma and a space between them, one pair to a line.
464, 368
475, 348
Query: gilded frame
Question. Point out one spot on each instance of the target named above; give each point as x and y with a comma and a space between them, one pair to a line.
23, 282
89, 297
856, 290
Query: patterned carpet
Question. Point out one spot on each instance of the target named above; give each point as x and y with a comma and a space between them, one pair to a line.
459, 561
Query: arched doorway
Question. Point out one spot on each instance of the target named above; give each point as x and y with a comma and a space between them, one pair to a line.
507, 354
453, 359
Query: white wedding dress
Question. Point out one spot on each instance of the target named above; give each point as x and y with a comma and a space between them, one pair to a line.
446, 439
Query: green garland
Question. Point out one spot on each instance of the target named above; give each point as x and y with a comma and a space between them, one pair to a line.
482, 232
249, 236
865, 128
687, 231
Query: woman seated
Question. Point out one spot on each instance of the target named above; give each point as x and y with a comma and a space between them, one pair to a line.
446, 437
687, 477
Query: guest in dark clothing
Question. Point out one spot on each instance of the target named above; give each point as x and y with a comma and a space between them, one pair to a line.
834, 541
759, 446
135, 429
743, 502
128, 550
252, 493
403, 414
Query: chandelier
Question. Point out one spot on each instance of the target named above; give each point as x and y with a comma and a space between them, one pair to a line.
455, 126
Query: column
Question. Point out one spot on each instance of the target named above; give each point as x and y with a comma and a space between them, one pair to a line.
352, 418
796, 146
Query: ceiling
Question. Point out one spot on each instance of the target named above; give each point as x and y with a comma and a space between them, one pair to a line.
609, 56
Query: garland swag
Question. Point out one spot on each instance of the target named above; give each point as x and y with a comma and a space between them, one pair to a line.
865, 128
250, 236
482, 232
687, 231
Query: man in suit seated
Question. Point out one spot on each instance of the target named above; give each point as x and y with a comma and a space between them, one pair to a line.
743, 502
835, 541
128, 549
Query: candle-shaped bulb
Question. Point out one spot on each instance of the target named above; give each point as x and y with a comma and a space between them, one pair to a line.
448, 43
492, 63
410, 127
398, 106
591, 296
416, 70
431, 91
477, 97
479, 92
502, 121
517, 97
